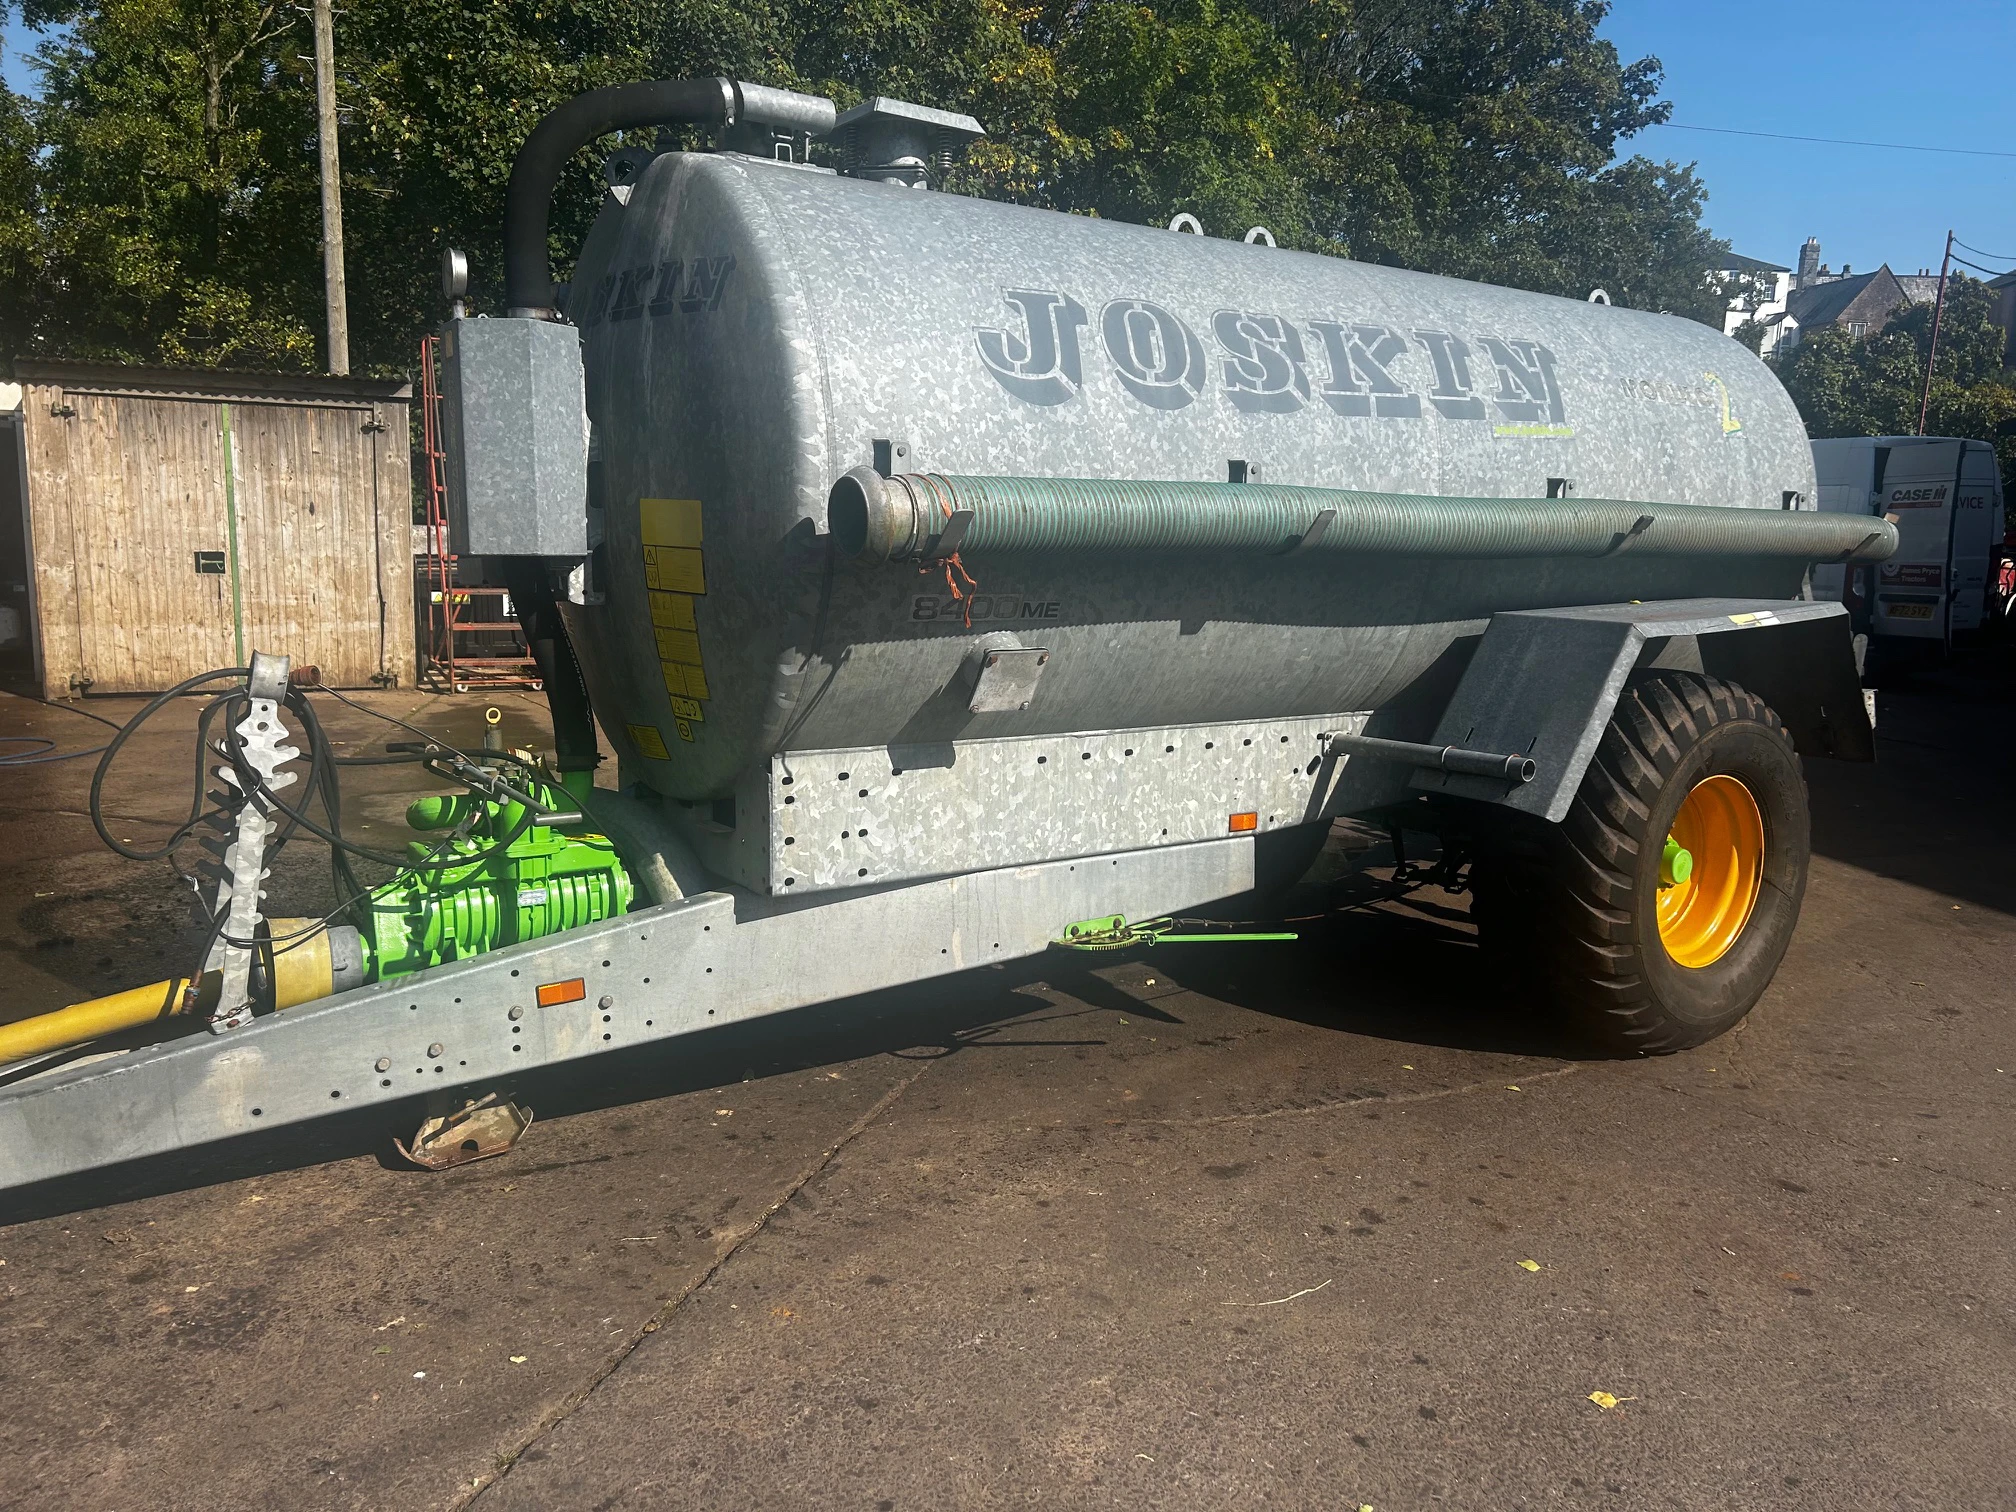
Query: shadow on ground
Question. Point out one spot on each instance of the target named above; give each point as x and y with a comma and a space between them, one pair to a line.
1935, 811
1405, 972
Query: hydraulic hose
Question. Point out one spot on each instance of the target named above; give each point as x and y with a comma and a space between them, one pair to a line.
528, 200
574, 745
126, 732
917, 516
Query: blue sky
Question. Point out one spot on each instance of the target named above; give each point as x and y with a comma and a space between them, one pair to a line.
1940, 73
14, 67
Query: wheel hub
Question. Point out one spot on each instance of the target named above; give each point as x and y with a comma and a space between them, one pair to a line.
1710, 871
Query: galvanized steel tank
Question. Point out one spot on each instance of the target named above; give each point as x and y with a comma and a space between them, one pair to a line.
753, 330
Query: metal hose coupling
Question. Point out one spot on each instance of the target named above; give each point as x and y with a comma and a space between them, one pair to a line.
908, 517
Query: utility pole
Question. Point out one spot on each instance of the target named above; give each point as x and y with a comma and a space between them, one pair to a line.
1938, 313
332, 190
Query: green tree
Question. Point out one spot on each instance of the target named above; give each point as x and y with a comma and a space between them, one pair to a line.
441, 95
20, 234
1478, 138
169, 190
1845, 386
173, 225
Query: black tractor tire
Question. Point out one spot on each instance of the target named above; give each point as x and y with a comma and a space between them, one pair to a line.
1574, 907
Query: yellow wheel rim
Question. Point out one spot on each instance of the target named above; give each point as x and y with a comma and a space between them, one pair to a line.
1712, 868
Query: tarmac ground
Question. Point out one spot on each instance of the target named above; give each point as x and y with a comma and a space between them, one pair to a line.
1330, 1224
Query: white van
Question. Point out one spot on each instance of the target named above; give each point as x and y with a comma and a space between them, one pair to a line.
1945, 497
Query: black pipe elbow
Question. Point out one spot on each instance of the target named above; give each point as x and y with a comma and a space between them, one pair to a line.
528, 275
528, 201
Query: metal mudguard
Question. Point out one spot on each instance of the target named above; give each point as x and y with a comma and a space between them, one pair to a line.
1543, 682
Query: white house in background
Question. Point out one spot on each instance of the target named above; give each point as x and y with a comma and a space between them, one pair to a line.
1816, 296
1765, 289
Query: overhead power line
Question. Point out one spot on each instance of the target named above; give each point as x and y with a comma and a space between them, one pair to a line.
2009, 257
1780, 136
1991, 272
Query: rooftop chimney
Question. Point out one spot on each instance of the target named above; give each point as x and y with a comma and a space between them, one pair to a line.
1809, 258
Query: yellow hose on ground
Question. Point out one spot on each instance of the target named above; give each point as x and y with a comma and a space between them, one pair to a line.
106, 1015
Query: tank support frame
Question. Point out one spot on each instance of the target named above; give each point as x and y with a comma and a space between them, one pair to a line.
660, 972
1541, 684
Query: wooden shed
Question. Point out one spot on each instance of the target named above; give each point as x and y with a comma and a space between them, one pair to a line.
177, 520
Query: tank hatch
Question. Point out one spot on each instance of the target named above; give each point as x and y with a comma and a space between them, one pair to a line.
896, 142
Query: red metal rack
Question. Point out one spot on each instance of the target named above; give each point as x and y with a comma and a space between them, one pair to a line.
499, 658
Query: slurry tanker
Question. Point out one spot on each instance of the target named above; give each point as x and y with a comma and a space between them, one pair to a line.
956, 579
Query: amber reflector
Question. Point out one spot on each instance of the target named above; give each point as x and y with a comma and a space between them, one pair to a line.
570, 991
1240, 823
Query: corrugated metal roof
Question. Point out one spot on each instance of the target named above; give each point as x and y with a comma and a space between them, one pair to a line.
212, 383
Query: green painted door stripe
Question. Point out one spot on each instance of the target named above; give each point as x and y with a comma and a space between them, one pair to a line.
231, 538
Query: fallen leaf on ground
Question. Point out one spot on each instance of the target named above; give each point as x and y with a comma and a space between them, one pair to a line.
1606, 1401
518, 1359
1530, 1265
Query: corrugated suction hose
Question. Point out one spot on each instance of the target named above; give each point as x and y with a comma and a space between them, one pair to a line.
917, 517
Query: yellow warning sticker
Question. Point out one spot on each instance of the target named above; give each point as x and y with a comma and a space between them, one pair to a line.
648, 741
675, 573
676, 569
678, 646
684, 727
673, 611
669, 522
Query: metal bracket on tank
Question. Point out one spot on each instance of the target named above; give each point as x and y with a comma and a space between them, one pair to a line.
945, 545
1313, 535
1006, 680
